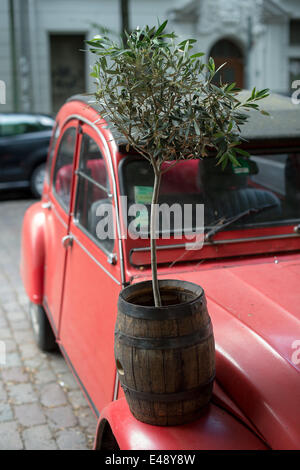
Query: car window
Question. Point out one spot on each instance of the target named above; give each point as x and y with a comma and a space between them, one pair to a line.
93, 201
62, 177
12, 125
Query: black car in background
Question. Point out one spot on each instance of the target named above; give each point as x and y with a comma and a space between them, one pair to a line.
24, 142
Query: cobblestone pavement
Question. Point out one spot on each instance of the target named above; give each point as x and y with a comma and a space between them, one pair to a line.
41, 405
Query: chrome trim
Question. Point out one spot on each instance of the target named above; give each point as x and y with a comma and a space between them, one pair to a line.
112, 258
94, 259
91, 237
116, 388
109, 158
221, 242
59, 217
67, 241
252, 239
297, 229
46, 205
91, 180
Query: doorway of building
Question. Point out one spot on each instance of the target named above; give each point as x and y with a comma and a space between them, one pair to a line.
227, 51
67, 67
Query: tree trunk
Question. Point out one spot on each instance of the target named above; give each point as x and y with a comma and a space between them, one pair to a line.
154, 204
124, 6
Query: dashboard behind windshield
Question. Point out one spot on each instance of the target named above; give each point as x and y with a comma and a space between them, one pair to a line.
271, 181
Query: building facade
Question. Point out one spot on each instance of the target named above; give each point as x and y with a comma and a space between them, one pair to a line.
258, 39
42, 57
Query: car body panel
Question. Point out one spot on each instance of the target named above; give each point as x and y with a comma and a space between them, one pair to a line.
57, 221
255, 310
216, 429
93, 321
33, 253
250, 278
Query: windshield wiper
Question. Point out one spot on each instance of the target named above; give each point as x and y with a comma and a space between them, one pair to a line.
223, 223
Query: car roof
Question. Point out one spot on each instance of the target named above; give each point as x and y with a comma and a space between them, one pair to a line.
90, 100
283, 121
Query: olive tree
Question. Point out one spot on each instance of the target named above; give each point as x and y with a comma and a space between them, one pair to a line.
161, 97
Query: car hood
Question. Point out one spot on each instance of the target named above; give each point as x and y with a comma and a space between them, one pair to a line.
255, 310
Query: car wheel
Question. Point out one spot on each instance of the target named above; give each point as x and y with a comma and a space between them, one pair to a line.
42, 330
37, 180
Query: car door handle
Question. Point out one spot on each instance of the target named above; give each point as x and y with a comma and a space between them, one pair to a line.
67, 241
112, 258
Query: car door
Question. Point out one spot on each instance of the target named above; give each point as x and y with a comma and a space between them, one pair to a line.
92, 277
57, 219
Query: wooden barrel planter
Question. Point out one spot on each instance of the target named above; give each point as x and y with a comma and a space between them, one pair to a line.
165, 356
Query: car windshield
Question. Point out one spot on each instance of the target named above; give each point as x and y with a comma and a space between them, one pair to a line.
264, 189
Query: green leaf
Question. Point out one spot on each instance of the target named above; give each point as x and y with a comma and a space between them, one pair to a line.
217, 135
221, 66
186, 48
265, 113
233, 158
242, 152
230, 87
251, 105
212, 65
199, 54
160, 29
164, 98
112, 72
223, 160
168, 35
221, 156
196, 127
95, 44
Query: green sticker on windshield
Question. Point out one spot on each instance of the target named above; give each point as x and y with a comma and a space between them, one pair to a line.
142, 219
143, 194
243, 169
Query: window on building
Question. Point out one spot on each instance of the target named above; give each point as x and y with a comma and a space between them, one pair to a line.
93, 202
62, 177
67, 62
295, 32
227, 51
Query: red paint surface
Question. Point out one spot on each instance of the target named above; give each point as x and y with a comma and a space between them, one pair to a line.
216, 429
253, 302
